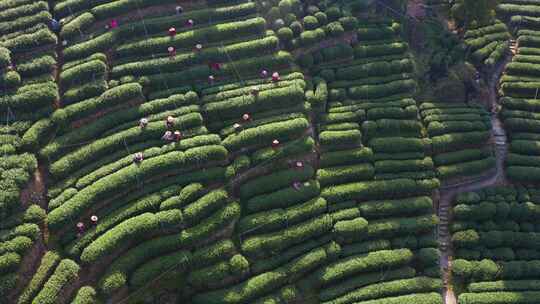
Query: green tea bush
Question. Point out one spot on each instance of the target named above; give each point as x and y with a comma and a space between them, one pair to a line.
500, 297
274, 181
402, 207
209, 34
66, 272
282, 198
178, 261
85, 295
82, 72
263, 245
116, 275
353, 265
48, 263
264, 135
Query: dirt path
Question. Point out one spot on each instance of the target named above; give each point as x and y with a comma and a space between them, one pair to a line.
448, 193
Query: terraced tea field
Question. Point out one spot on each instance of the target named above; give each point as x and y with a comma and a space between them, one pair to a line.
259, 152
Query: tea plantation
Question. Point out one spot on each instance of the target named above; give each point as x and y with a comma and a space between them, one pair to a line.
268, 151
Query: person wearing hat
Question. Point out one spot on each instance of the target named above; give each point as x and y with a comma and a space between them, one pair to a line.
55, 25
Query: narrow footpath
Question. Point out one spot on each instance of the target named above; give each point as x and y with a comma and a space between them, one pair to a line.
448, 193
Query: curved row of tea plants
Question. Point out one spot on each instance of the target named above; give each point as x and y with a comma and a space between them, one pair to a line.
494, 235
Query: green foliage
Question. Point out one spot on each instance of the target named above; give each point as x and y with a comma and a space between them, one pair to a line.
350, 231
370, 262
178, 261
382, 293
474, 13
500, 297
116, 275
378, 189
85, 295
283, 197
263, 135
310, 23
275, 181
266, 244
66, 272
401, 207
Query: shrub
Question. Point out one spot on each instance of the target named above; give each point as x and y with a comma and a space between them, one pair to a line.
345, 174
282, 198
340, 51
116, 275
244, 291
402, 207
457, 157
353, 265
322, 19
382, 292
77, 25
351, 231
395, 166
188, 194
209, 34
80, 110
395, 48
397, 145
285, 34
466, 239
349, 23
334, 29
378, 189
5, 57
9, 262
375, 33
308, 38
178, 261
106, 145
97, 44
274, 181
276, 219
127, 230
336, 140
211, 275
66, 272
83, 92
211, 225
264, 135
82, 72
236, 51
32, 96
499, 297
204, 206
34, 137
310, 23
85, 295
263, 245
377, 68
272, 99
25, 42
346, 157
296, 28
333, 13
467, 168
401, 226
452, 141
382, 90
504, 285
16, 245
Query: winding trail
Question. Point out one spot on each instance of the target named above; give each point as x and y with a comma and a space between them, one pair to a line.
448, 193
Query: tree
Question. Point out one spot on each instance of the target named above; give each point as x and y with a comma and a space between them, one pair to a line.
473, 13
